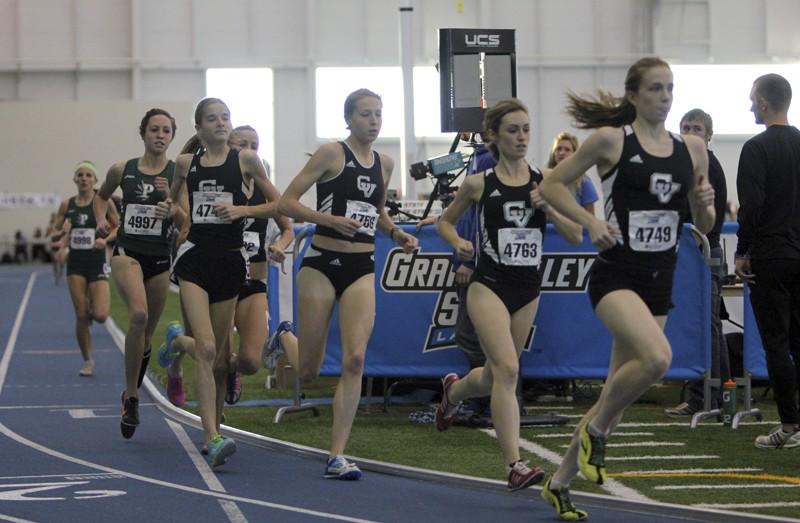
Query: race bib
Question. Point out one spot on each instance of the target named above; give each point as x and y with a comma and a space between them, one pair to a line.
203, 206
520, 246
652, 231
365, 213
141, 220
81, 239
252, 243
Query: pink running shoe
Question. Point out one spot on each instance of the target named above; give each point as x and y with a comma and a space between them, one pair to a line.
233, 388
521, 476
175, 392
446, 412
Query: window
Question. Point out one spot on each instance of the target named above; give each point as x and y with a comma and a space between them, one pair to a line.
248, 93
335, 83
723, 91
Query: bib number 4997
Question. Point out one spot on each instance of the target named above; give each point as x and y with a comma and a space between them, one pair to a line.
141, 220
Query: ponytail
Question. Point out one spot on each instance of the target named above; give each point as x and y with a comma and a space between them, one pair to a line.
193, 146
605, 109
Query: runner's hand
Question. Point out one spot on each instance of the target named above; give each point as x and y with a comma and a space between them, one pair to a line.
345, 226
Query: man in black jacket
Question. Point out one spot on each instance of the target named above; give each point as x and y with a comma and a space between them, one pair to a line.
768, 251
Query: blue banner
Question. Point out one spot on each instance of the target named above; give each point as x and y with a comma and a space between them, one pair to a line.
416, 307
755, 362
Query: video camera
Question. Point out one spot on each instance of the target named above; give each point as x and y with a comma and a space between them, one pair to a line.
443, 171
436, 167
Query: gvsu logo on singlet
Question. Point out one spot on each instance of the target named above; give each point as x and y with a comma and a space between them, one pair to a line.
662, 186
210, 186
426, 272
517, 213
365, 186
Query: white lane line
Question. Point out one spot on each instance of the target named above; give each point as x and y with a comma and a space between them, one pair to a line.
209, 478
777, 504
658, 458
176, 486
54, 352
12, 338
12, 519
230, 508
611, 485
726, 486
91, 475
616, 435
88, 414
640, 444
690, 471
68, 407
633, 425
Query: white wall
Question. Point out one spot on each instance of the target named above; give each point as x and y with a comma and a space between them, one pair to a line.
76, 75
43, 141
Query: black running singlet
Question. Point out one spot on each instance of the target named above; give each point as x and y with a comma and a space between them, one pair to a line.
511, 230
255, 230
356, 193
82, 233
647, 198
140, 230
208, 186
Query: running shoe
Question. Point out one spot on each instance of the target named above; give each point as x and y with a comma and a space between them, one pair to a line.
778, 439
219, 450
339, 468
233, 388
130, 416
87, 369
165, 353
273, 349
175, 392
446, 411
679, 411
562, 502
521, 476
592, 456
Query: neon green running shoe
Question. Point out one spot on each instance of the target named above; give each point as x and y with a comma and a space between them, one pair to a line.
592, 456
563, 503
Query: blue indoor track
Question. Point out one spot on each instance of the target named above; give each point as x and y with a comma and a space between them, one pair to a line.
62, 457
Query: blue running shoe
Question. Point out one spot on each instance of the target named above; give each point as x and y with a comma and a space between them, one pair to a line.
273, 349
219, 450
339, 468
165, 353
